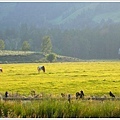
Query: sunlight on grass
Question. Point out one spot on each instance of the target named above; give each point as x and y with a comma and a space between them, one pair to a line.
94, 78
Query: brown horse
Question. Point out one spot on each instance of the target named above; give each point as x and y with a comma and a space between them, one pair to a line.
39, 68
1, 70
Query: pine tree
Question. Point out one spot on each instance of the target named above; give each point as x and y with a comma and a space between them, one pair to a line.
2, 45
25, 46
46, 46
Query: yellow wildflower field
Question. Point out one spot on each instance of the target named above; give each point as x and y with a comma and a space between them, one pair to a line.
94, 78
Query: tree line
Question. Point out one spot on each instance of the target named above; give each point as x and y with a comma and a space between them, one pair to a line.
101, 42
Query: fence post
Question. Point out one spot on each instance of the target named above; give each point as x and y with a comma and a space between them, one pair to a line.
69, 98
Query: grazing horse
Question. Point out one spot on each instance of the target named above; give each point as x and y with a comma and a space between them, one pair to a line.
1, 70
39, 68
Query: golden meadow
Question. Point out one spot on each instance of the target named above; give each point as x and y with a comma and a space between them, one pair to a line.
95, 78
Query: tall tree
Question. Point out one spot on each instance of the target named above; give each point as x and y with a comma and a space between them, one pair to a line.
23, 32
2, 44
46, 46
25, 46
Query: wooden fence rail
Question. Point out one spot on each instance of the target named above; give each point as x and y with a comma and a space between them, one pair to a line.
72, 98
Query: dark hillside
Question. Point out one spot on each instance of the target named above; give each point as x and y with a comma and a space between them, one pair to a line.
62, 14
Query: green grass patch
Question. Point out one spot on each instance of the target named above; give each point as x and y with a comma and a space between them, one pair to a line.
60, 109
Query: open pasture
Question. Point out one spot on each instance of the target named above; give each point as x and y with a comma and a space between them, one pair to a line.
94, 78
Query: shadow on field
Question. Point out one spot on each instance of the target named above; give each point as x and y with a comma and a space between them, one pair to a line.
19, 74
33, 74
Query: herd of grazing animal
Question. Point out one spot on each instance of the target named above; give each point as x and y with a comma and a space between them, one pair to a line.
78, 94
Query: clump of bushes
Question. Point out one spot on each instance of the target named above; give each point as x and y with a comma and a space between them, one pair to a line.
51, 57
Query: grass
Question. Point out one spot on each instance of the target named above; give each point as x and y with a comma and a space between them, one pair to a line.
60, 109
94, 78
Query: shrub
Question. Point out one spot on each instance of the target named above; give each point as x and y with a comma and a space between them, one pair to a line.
51, 57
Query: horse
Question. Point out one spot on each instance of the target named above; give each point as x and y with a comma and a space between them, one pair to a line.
1, 70
39, 68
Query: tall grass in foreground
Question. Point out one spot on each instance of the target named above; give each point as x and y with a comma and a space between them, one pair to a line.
60, 109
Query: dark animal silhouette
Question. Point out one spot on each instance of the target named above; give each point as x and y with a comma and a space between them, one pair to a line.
111, 94
39, 68
79, 94
1, 70
6, 94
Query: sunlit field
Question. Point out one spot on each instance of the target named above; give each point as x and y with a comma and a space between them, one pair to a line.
94, 78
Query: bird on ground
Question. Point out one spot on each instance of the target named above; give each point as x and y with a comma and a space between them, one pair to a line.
111, 94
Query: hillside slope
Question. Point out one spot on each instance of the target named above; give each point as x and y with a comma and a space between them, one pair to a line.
62, 14
30, 57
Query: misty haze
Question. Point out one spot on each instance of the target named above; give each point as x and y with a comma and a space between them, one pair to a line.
84, 30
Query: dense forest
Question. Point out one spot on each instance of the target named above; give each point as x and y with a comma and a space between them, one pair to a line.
90, 43
90, 35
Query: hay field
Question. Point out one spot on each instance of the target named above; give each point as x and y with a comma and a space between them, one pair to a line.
94, 78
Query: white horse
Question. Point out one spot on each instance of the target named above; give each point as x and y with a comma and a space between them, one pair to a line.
1, 70
39, 68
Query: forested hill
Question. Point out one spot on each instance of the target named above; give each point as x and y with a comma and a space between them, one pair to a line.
85, 30
59, 14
